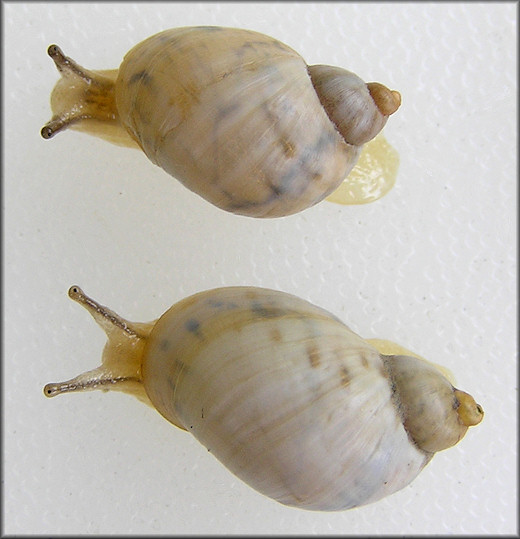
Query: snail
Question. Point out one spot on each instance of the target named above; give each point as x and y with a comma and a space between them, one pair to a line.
283, 393
237, 116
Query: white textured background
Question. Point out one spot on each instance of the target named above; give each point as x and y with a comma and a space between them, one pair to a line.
431, 266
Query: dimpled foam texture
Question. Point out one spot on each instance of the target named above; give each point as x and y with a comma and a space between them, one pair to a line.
431, 266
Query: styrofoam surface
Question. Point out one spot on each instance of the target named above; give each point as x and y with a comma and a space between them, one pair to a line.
431, 266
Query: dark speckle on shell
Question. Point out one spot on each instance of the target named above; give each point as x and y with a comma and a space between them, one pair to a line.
276, 335
221, 305
193, 326
207, 78
142, 77
266, 311
314, 355
345, 376
165, 345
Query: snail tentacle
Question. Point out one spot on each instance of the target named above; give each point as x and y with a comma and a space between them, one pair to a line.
79, 96
67, 66
105, 317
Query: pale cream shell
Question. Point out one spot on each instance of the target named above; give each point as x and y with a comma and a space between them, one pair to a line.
233, 115
284, 394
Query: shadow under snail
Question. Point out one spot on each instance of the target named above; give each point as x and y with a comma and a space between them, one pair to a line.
283, 393
237, 116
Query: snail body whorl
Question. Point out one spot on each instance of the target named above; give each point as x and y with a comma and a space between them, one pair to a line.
284, 394
291, 399
238, 117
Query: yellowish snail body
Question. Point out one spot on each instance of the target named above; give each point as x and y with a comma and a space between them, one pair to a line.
283, 393
238, 117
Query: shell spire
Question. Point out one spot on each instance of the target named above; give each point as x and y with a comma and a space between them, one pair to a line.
435, 414
358, 110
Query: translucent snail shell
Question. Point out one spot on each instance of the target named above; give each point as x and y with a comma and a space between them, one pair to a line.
283, 393
238, 117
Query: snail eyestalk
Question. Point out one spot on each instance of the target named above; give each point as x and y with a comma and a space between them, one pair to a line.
84, 99
55, 125
122, 356
106, 318
51, 390
67, 66
90, 380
